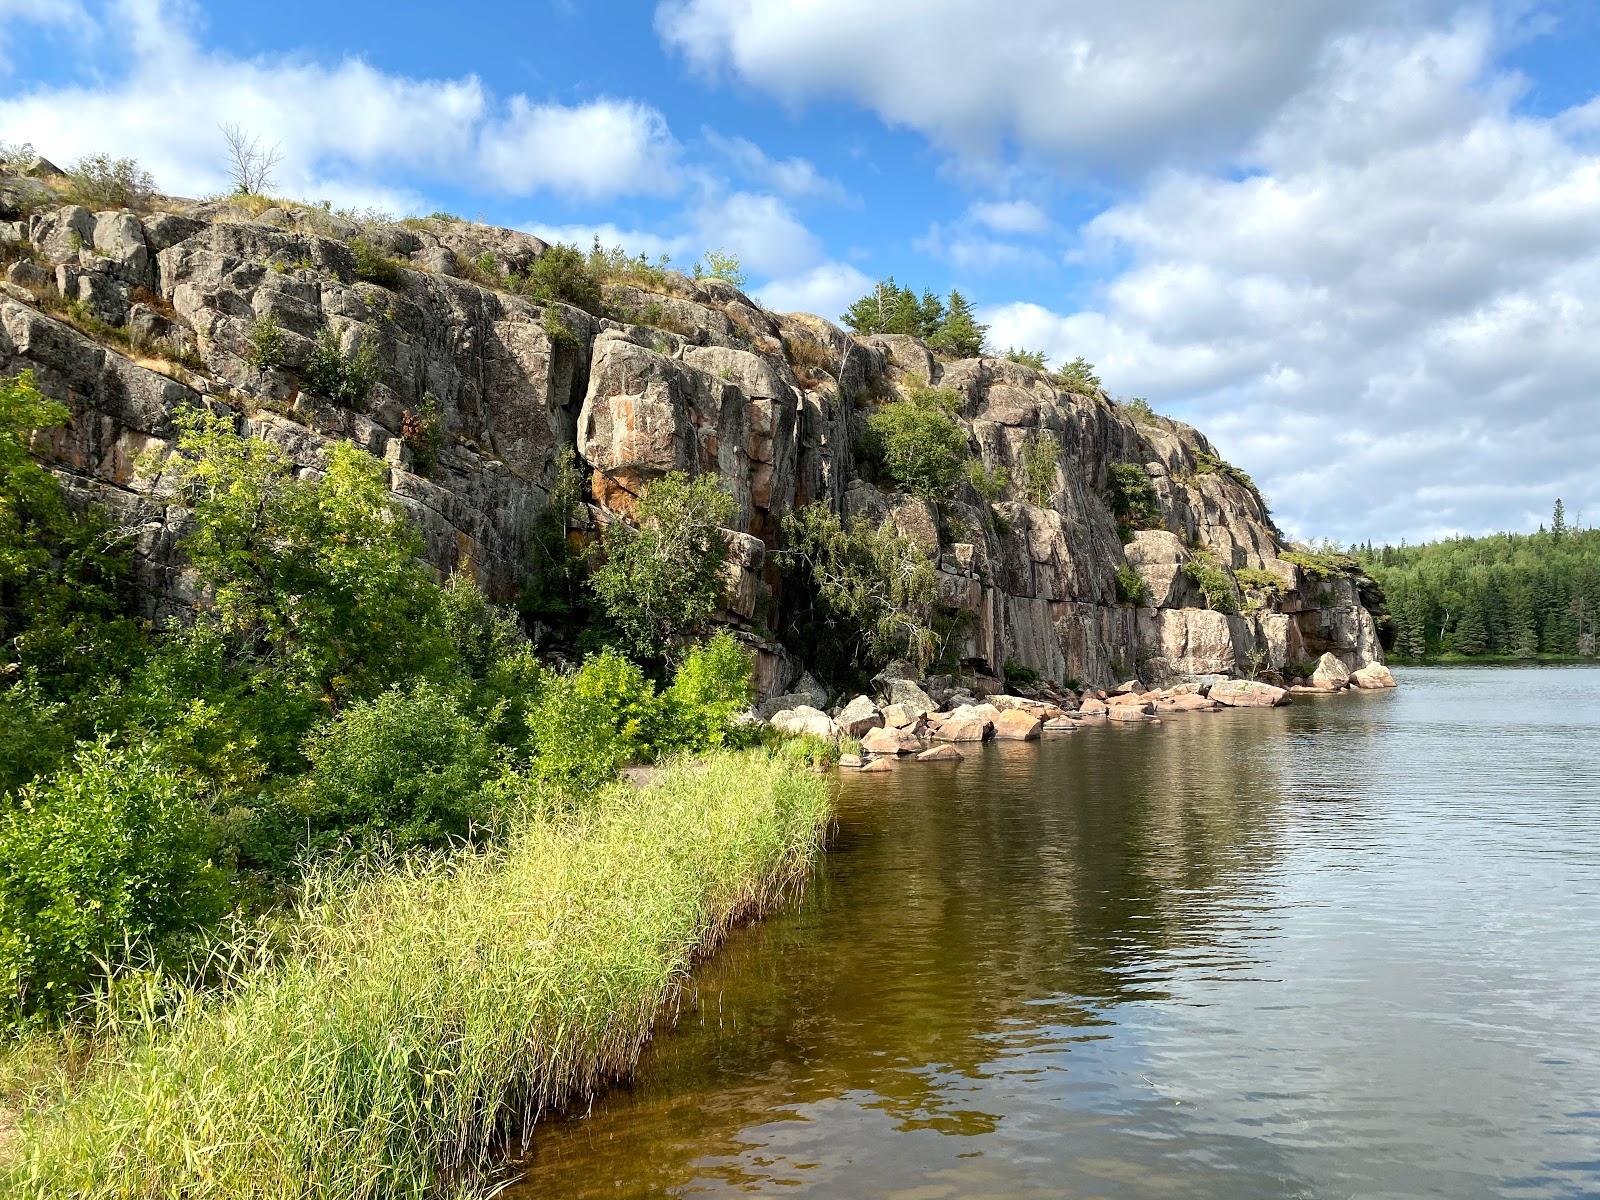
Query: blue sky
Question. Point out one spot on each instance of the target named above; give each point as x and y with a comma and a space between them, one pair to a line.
1356, 241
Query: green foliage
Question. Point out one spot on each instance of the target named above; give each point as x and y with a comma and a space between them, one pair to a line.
585, 725
924, 446
422, 430
1258, 580
107, 861
373, 265
98, 181
266, 344
1507, 595
1139, 409
554, 592
559, 332
1131, 588
711, 686
1322, 564
1028, 358
613, 262
1041, 456
344, 379
1133, 499
1017, 674
990, 484
866, 594
661, 581
1078, 376
563, 273
1213, 580
718, 264
320, 577
890, 308
403, 770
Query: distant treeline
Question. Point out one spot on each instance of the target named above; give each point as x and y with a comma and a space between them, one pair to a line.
1508, 594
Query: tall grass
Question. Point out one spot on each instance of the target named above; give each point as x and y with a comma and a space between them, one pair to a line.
419, 1020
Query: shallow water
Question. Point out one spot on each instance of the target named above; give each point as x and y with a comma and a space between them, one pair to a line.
1346, 948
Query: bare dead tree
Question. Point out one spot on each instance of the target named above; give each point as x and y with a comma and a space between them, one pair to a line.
250, 163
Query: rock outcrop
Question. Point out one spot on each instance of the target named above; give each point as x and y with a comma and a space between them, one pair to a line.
684, 374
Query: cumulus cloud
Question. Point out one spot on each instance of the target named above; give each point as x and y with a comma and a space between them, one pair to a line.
1391, 317
826, 290
165, 106
796, 178
1010, 216
1077, 81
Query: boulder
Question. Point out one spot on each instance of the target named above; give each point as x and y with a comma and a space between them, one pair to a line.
879, 764
849, 760
941, 754
962, 729
1092, 706
1017, 725
1060, 725
1330, 675
897, 716
816, 695
804, 719
1131, 712
890, 741
767, 709
860, 715
1127, 687
1373, 675
1123, 699
1248, 693
1186, 702
908, 696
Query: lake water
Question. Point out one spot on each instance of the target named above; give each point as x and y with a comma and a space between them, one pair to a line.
1349, 948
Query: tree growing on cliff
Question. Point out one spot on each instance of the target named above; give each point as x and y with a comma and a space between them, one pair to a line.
947, 328
661, 580
922, 446
959, 334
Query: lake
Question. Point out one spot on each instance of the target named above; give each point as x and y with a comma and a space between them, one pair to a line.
1348, 948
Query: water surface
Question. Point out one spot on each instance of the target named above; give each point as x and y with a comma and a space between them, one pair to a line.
1349, 948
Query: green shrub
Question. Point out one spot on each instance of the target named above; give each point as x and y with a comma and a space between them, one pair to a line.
422, 430
344, 379
1212, 579
107, 860
559, 332
1028, 358
373, 265
990, 484
1139, 409
1326, 564
98, 181
1256, 579
562, 273
266, 344
1041, 455
403, 770
661, 581
585, 725
718, 264
1078, 376
1132, 497
1016, 673
924, 447
711, 686
1131, 587
34, 734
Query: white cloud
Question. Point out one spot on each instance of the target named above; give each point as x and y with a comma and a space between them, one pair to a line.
58, 14
1077, 81
768, 238
165, 109
1010, 216
826, 290
680, 248
1392, 320
797, 178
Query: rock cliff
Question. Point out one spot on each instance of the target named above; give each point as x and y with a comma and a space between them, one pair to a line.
129, 317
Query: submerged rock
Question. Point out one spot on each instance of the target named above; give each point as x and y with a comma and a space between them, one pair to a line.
941, 754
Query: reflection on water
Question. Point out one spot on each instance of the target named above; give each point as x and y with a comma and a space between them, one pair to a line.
1348, 948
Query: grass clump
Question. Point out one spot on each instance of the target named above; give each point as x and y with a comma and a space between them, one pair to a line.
373, 265
989, 483
415, 1019
1041, 455
98, 181
1254, 579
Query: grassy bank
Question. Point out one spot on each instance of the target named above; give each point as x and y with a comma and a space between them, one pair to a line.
409, 1024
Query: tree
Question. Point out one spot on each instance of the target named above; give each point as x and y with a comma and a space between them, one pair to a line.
959, 333
320, 578
250, 164
661, 581
923, 446
1078, 375
718, 264
1558, 519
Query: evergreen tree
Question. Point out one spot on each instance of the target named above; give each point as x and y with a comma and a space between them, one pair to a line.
1558, 519
959, 332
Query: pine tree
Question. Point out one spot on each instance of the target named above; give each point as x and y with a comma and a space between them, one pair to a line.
959, 333
1558, 519
874, 311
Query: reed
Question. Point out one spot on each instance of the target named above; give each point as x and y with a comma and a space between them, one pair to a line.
401, 1034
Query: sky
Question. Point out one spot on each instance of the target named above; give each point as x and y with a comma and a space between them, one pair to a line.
1357, 242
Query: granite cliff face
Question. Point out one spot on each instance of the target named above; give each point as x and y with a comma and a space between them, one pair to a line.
694, 376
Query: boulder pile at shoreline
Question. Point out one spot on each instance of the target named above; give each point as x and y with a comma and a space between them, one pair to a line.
928, 720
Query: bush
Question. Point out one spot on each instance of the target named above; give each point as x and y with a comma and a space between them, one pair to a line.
718, 264
1041, 455
1212, 579
561, 273
1326, 564
1131, 588
1028, 358
924, 447
344, 379
1078, 376
1133, 499
266, 344
1139, 409
711, 686
98, 181
107, 860
559, 332
1016, 673
661, 582
1256, 579
990, 484
422, 430
373, 265
404, 770
585, 725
